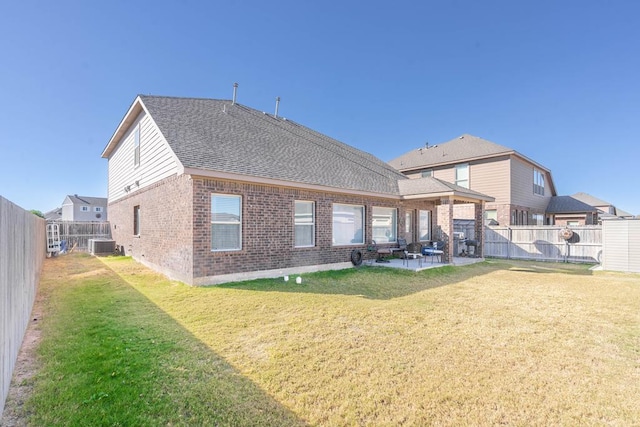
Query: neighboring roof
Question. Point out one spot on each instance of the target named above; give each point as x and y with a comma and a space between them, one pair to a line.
216, 135
53, 214
84, 200
568, 204
431, 185
463, 148
594, 201
590, 200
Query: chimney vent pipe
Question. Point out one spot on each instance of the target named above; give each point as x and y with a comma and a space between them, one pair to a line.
277, 105
235, 91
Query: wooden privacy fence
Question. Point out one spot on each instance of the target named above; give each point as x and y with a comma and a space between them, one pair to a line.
78, 233
22, 252
544, 243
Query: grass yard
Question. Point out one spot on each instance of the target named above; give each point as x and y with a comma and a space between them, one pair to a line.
512, 343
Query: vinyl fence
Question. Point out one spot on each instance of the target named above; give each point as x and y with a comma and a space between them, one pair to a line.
22, 252
544, 243
78, 233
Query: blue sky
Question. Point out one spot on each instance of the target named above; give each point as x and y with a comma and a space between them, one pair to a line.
558, 81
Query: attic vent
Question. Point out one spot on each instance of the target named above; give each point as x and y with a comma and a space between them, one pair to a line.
462, 137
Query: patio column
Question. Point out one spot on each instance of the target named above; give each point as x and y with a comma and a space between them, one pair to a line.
445, 226
479, 227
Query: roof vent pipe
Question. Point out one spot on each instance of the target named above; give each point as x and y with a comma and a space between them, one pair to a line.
277, 105
235, 91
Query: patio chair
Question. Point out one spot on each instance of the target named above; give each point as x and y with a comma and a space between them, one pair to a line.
435, 250
380, 252
414, 250
402, 247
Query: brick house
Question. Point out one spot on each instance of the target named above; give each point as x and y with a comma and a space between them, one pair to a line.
570, 211
522, 188
208, 191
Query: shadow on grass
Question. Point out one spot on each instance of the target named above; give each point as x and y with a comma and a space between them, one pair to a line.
112, 357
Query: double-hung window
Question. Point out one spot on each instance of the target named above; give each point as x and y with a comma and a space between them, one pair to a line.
136, 146
348, 225
426, 173
424, 225
385, 224
305, 224
84, 208
462, 175
226, 222
538, 182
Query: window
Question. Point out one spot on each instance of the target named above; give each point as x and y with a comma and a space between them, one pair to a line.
136, 220
538, 182
538, 219
491, 216
305, 224
573, 223
84, 208
462, 175
385, 221
348, 225
97, 209
428, 172
407, 222
226, 222
424, 225
136, 146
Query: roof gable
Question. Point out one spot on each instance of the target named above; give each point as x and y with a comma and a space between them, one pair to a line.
217, 135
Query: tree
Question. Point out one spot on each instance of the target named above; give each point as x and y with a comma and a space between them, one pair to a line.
37, 213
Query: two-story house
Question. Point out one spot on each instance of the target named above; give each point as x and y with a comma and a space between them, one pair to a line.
207, 191
82, 208
521, 187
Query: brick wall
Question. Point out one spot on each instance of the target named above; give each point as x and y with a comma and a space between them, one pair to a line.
175, 236
166, 228
268, 228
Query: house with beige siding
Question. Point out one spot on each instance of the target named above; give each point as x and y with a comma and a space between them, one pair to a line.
208, 191
521, 187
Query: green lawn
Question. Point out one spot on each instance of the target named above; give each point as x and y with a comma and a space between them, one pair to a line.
493, 343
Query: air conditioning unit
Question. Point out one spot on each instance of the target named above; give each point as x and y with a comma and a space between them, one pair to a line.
101, 246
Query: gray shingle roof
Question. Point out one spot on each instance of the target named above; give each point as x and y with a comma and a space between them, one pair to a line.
215, 135
459, 149
92, 201
568, 204
431, 185
590, 200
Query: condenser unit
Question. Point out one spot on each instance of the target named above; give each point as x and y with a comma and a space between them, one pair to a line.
101, 246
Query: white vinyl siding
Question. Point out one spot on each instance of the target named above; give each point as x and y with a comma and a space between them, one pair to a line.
305, 224
348, 225
158, 160
385, 224
226, 222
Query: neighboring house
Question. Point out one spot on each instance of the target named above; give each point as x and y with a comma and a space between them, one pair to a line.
605, 209
569, 211
81, 208
53, 215
521, 187
208, 191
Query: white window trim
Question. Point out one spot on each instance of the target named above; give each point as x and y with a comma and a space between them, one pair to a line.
312, 224
239, 222
137, 217
364, 216
394, 220
84, 209
538, 182
420, 225
459, 181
